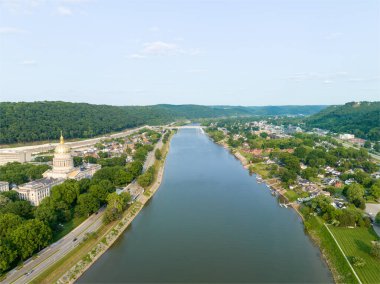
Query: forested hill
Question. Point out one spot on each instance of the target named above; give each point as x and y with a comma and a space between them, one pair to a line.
26, 122
359, 118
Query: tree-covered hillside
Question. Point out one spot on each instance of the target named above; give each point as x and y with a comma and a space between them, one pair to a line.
359, 118
26, 122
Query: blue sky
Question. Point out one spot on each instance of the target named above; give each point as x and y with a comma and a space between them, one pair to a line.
177, 51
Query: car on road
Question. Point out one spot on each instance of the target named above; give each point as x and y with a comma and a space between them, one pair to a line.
29, 272
75, 239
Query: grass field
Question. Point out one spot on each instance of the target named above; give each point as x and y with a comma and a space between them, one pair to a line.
68, 227
337, 263
357, 242
261, 169
291, 195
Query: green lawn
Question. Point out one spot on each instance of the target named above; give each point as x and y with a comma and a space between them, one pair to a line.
291, 195
68, 227
357, 242
261, 169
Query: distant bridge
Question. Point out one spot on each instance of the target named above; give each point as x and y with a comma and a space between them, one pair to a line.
185, 127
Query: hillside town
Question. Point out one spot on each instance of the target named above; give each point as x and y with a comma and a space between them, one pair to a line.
302, 165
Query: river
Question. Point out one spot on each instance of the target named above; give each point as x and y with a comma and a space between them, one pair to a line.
210, 221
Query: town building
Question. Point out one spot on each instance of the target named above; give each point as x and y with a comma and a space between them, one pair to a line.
4, 186
12, 155
63, 168
357, 141
37, 190
346, 136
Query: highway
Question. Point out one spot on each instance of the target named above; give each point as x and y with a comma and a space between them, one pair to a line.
349, 145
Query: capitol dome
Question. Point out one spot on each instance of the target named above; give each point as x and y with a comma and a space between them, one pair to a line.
62, 148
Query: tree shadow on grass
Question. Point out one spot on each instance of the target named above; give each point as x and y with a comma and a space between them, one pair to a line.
363, 246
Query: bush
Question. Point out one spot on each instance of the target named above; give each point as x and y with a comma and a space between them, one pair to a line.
377, 219
375, 250
358, 261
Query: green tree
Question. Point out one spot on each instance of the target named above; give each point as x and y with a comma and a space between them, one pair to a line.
263, 135
31, 236
367, 144
287, 176
358, 261
309, 173
355, 191
135, 168
67, 192
121, 177
46, 213
158, 154
87, 204
146, 178
375, 250
377, 219
376, 147
21, 208
7, 254
11, 194
78, 161
8, 223
116, 204
375, 191
99, 192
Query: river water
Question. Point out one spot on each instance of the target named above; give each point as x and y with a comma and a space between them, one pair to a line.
210, 221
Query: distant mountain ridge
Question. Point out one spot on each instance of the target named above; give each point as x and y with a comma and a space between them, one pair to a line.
359, 118
36, 121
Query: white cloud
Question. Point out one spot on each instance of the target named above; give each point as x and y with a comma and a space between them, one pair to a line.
364, 79
10, 30
64, 11
29, 62
21, 6
327, 78
136, 56
159, 48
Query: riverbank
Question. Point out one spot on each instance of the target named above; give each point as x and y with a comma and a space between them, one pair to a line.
69, 269
323, 239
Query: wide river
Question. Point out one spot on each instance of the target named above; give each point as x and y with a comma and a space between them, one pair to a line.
210, 221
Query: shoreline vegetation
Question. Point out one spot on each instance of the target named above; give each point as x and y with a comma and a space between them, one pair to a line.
317, 231
75, 263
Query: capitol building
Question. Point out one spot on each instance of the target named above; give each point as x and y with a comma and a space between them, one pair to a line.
63, 168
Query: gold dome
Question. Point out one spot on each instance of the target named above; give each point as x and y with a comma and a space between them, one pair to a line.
62, 148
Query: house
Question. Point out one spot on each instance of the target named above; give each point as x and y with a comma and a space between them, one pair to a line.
357, 141
346, 136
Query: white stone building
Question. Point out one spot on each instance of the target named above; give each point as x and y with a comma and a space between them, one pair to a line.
37, 190
346, 136
63, 168
4, 186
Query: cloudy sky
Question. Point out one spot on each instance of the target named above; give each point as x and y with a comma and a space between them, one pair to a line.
237, 52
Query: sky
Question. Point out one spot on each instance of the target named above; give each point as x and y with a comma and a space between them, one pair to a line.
221, 52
